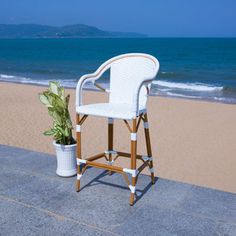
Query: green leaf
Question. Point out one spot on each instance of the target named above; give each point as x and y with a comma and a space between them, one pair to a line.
50, 99
57, 117
43, 99
48, 132
69, 123
54, 87
60, 103
57, 104
67, 132
62, 96
50, 111
60, 129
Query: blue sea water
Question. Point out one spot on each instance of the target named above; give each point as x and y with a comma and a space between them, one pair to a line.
195, 68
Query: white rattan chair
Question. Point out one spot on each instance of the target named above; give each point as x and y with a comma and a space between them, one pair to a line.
130, 80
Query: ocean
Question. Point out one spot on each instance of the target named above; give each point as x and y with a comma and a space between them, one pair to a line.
193, 68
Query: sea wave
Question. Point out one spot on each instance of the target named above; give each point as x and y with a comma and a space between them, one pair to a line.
199, 87
167, 73
170, 74
229, 100
71, 83
3, 76
68, 83
161, 88
26, 80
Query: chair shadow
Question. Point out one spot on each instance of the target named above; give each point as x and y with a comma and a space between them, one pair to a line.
97, 180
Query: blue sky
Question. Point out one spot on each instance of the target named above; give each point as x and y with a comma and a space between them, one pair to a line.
161, 18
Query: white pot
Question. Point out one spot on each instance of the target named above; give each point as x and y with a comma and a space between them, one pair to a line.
66, 159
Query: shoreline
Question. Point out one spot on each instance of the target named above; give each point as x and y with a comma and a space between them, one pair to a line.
193, 141
151, 95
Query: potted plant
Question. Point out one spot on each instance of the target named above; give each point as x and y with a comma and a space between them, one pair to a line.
57, 103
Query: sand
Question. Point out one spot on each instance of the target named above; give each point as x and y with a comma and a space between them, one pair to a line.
192, 141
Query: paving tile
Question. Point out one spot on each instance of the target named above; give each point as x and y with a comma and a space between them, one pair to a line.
34, 163
210, 203
28, 160
105, 202
3, 146
16, 219
102, 203
166, 208
167, 193
8, 151
29, 188
149, 220
11, 179
226, 229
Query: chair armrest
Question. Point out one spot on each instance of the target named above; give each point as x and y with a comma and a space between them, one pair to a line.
88, 78
136, 94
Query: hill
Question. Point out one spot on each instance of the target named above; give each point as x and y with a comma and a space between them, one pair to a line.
67, 31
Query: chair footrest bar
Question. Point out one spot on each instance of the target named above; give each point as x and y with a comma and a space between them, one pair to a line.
105, 166
126, 154
122, 154
140, 169
92, 158
109, 166
95, 157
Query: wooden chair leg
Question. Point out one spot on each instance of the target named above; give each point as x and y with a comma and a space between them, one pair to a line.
148, 146
133, 159
78, 140
110, 140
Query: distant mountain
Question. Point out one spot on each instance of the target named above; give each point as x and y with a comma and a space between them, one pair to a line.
68, 31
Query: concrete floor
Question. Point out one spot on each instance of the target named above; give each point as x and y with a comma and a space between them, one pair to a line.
35, 201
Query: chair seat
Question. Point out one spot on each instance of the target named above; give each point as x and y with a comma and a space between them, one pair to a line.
111, 110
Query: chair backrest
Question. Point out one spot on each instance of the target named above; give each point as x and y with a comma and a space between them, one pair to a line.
127, 72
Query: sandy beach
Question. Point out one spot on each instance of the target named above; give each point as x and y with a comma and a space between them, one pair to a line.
192, 141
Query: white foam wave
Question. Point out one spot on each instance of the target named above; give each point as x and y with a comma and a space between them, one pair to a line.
26, 80
164, 88
216, 99
68, 83
6, 76
188, 86
181, 95
167, 72
14, 79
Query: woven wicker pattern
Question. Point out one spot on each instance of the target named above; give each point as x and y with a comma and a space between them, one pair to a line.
130, 76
